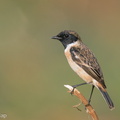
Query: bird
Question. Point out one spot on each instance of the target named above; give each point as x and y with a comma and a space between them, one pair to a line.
83, 62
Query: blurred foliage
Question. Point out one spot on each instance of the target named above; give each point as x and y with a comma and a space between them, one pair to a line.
33, 67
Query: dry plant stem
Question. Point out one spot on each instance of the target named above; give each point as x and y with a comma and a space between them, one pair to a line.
89, 108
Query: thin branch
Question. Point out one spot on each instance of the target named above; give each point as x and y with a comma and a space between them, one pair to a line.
89, 108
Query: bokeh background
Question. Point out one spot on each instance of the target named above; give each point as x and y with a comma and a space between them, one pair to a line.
33, 68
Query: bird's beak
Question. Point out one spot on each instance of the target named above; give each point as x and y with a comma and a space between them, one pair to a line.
56, 37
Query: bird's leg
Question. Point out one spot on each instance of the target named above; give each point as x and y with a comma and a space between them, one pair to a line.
91, 94
74, 86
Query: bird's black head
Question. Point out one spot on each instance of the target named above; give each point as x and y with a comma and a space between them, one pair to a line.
67, 37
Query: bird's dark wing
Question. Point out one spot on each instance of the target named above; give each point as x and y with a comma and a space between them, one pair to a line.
86, 59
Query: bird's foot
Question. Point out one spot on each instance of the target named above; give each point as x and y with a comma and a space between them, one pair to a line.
72, 90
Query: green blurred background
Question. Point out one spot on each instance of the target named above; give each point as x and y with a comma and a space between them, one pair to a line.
33, 68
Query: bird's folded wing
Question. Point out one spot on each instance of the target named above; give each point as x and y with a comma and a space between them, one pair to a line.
85, 59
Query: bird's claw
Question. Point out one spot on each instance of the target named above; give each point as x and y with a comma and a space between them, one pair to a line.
72, 90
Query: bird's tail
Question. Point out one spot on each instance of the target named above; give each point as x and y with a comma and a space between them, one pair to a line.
107, 98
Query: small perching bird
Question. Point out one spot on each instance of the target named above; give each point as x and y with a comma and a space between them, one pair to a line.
83, 62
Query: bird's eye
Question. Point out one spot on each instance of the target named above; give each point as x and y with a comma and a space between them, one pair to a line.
66, 35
